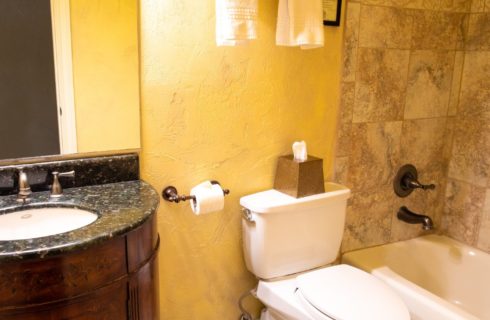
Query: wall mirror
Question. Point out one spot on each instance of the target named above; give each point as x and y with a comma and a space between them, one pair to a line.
69, 77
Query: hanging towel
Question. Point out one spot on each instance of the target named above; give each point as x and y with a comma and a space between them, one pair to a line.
236, 21
300, 23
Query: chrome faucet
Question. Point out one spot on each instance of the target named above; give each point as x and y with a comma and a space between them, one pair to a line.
413, 218
24, 187
56, 189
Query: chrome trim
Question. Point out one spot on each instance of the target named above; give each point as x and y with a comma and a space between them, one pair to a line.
247, 215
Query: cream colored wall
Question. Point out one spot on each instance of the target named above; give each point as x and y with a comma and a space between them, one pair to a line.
225, 114
106, 74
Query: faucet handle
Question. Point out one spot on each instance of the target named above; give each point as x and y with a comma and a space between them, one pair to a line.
70, 174
56, 188
24, 187
23, 181
406, 180
411, 182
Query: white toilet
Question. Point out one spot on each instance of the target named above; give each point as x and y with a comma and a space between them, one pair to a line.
288, 244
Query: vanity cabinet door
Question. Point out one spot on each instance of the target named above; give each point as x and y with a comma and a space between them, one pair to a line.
67, 276
108, 303
114, 280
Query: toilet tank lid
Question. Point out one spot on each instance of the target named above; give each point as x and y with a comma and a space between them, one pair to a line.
270, 201
344, 292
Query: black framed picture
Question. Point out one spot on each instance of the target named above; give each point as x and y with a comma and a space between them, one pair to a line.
331, 12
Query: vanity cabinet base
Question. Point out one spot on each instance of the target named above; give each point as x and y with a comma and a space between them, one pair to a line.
117, 279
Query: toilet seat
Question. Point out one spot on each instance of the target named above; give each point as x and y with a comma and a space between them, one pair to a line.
332, 293
344, 292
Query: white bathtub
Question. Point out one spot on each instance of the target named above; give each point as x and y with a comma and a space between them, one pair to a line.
437, 277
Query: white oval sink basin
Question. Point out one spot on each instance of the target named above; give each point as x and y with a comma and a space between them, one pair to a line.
42, 222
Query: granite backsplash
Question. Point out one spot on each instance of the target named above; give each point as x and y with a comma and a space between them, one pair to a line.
88, 171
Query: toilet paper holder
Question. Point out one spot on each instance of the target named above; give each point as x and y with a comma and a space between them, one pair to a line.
171, 194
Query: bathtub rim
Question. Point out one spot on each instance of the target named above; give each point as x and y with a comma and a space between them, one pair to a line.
403, 286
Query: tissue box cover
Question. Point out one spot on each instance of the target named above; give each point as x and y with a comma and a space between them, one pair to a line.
299, 179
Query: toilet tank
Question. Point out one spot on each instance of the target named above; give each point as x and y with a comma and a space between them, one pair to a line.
283, 235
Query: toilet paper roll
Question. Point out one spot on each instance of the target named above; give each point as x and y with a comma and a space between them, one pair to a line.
209, 198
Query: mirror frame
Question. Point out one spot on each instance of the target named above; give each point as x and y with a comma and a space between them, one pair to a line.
58, 157
63, 65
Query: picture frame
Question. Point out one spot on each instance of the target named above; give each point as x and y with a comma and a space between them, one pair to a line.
331, 12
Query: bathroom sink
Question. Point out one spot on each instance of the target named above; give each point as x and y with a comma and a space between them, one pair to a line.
42, 222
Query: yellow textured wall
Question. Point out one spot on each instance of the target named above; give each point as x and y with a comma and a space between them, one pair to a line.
106, 74
227, 114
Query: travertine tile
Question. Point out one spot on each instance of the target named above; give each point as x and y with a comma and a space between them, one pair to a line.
351, 42
429, 84
470, 161
368, 220
438, 30
347, 92
375, 155
478, 36
413, 4
341, 168
471, 145
384, 27
464, 208
422, 144
478, 6
436, 5
381, 84
448, 142
442, 81
487, 5
344, 139
456, 83
474, 99
345, 119
484, 232
447, 5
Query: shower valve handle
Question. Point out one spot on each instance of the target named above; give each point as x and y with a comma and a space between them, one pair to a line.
410, 182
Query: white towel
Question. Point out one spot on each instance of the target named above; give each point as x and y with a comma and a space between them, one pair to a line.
300, 23
236, 21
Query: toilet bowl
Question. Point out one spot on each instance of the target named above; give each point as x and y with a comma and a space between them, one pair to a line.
337, 292
288, 244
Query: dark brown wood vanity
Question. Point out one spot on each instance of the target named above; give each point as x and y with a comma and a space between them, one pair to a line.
116, 279
107, 269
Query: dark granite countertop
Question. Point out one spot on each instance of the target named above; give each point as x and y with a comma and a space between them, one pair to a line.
121, 207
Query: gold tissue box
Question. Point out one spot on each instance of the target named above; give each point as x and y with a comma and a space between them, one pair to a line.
299, 179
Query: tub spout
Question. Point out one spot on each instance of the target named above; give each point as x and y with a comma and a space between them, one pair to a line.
413, 218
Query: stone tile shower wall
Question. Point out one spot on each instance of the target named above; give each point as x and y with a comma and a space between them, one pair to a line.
467, 203
403, 63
